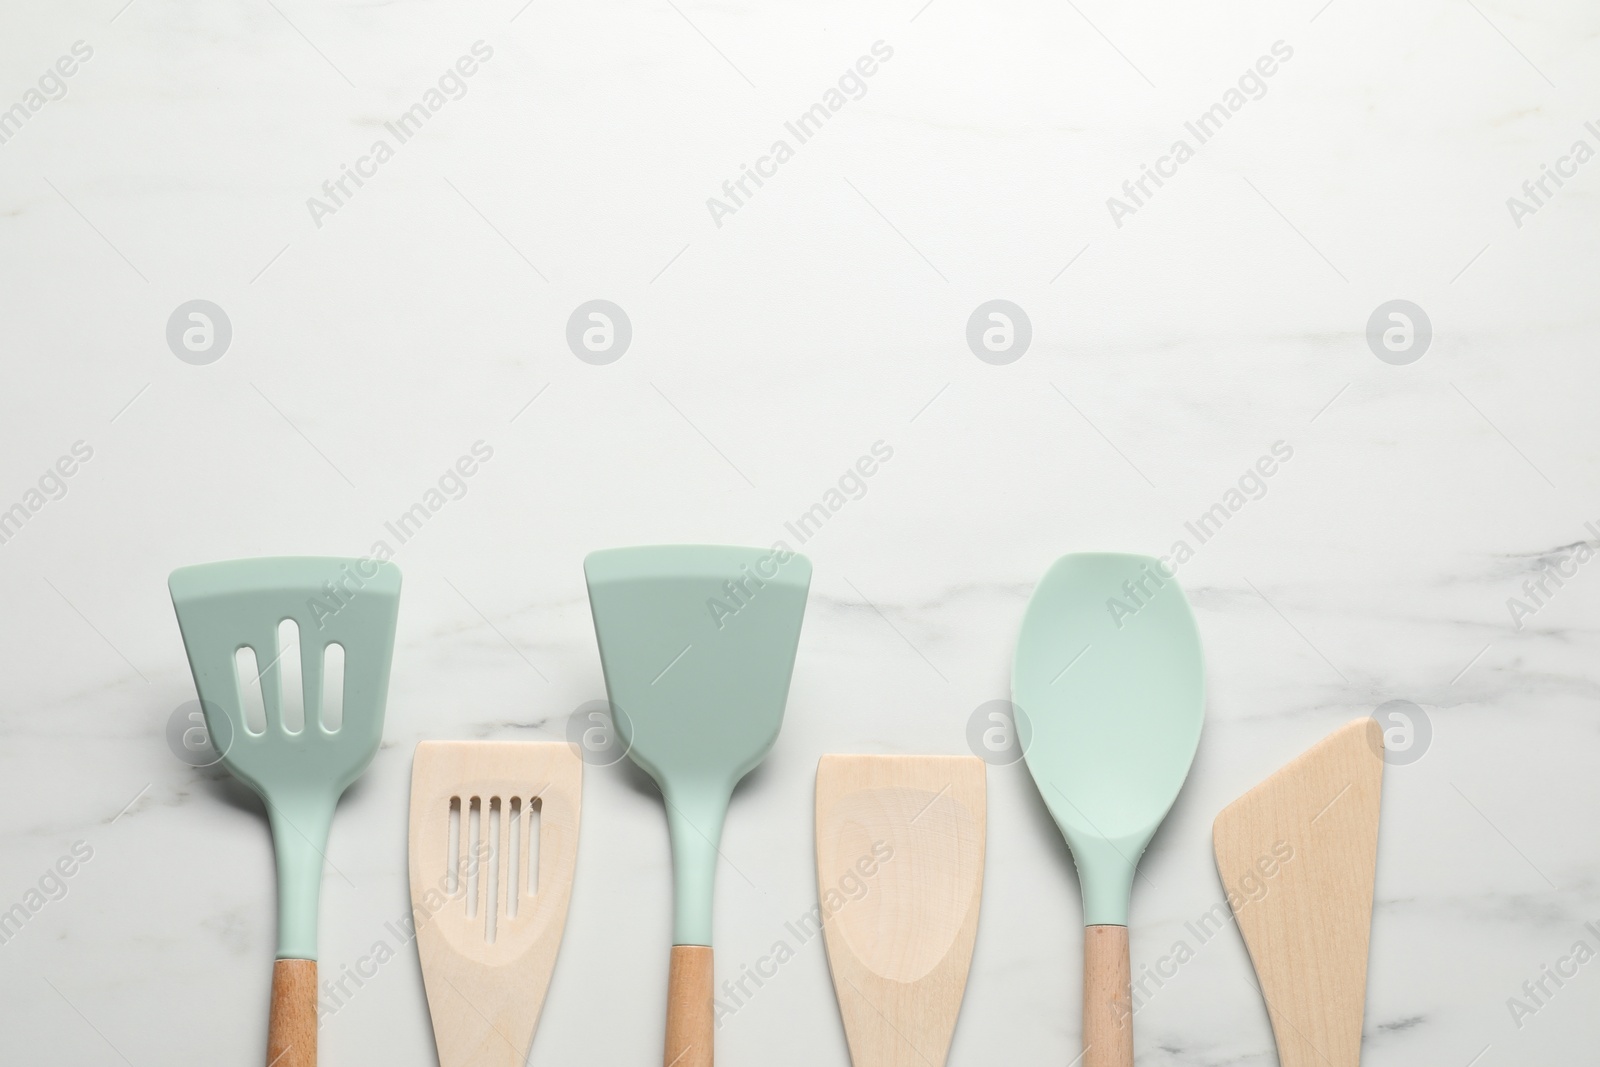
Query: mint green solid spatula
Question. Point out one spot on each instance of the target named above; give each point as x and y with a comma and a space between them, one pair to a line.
697, 643
1110, 689
246, 624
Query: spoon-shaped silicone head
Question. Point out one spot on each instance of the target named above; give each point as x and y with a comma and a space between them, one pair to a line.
697, 643
1109, 683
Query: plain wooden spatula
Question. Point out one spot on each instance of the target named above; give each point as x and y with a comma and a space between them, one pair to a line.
900, 842
1110, 692
494, 840
1308, 925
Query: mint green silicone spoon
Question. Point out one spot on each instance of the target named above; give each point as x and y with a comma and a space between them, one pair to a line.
697, 643
1110, 692
300, 769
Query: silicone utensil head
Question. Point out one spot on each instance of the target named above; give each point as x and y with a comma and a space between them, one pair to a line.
697, 643
1109, 681
225, 607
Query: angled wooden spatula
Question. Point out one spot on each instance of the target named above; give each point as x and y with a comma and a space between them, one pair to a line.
900, 843
494, 841
1298, 856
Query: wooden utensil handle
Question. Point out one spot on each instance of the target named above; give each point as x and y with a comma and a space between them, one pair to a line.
292, 1024
1107, 998
690, 1021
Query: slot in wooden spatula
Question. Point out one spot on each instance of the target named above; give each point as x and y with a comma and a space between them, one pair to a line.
494, 840
900, 843
1298, 855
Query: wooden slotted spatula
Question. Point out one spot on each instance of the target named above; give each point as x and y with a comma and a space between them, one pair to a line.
306, 643
1298, 856
900, 842
494, 841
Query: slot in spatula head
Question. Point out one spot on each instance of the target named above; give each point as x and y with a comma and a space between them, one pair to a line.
1110, 695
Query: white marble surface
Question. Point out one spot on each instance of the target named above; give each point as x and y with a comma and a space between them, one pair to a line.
825, 315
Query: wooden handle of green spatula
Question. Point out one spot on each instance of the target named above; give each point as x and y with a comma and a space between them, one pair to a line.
292, 1025
690, 1020
1107, 998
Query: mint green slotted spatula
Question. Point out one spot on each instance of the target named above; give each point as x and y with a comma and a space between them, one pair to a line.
697, 643
1110, 692
299, 768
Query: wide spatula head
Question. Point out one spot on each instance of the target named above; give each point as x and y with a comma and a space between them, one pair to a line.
697, 643
1109, 683
300, 774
